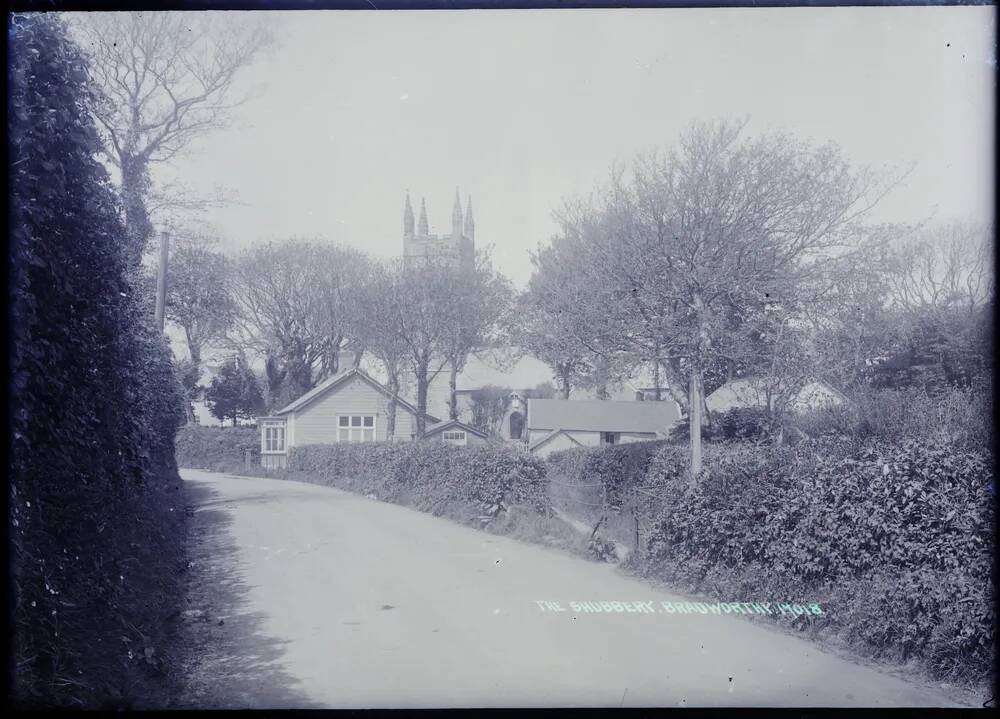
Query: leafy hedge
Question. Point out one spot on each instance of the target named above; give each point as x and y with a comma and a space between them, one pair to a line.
427, 475
893, 540
219, 449
97, 531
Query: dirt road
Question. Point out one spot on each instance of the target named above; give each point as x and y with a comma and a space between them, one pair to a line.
305, 596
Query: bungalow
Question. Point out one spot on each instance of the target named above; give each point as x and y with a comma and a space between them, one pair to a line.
348, 407
454, 432
753, 392
554, 424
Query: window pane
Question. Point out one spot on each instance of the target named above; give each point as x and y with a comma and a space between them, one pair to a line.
356, 421
369, 435
343, 421
369, 421
459, 435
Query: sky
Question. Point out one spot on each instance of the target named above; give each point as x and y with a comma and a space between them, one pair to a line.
524, 109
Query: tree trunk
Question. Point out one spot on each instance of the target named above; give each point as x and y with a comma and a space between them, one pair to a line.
564, 380
422, 384
657, 395
453, 391
390, 425
138, 228
694, 425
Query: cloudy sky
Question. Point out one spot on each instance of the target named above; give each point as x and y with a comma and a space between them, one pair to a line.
521, 109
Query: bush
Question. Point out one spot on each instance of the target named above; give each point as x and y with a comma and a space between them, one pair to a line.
893, 539
960, 416
219, 449
97, 531
430, 476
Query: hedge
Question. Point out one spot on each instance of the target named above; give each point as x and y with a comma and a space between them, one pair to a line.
219, 449
893, 540
427, 475
96, 521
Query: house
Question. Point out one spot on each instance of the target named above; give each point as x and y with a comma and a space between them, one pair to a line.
348, 407
753, 392
454, 432
554, 424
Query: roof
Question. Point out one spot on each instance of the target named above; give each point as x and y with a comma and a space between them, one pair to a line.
338, 380
601, 415
455, 424
745, 389
551, 435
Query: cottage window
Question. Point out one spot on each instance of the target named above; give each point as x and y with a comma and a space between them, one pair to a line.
274, 438
609, 438
356, 428
454, 437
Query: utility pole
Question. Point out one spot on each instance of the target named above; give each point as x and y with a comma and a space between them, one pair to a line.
161, 279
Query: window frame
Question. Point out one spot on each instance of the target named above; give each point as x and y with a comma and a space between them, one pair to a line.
269, 440
356, 430
462, 440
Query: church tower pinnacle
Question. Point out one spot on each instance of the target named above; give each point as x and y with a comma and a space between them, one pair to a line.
470, 224
422, 227
456, 217
408, 218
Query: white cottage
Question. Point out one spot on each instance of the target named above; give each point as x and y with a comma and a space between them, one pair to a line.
348, 407
554, 424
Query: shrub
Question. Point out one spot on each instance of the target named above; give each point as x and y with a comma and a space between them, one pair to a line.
427, 475
894, 539
97, 532
219, 449
959, 416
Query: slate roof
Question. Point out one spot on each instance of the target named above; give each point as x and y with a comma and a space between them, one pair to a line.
601, 415
454, 424
338, 379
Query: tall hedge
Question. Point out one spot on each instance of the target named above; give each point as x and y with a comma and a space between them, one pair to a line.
427, 475
96, 528
894, 540
220, 449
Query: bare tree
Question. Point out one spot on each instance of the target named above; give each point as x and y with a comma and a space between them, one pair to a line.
292, 304
480, 299
942, 264
375, 330
702, 234
168, 78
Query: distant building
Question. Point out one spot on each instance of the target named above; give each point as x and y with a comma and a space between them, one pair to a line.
348, 407
754, 392
455, 432
458, 246
554, 424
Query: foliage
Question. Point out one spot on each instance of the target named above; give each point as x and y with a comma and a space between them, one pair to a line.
427, 475
737, 423
197, 296
892, 539
219, 449
97, 529
294, 304
234, 393
489, 404
167, 80
960, 416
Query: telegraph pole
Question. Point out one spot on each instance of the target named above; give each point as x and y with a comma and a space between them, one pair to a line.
161, 278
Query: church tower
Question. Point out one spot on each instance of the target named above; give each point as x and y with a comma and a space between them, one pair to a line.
457, 246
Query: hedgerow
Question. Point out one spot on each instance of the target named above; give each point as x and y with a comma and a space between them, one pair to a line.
219, 449
97, 530
429, 476
893, 540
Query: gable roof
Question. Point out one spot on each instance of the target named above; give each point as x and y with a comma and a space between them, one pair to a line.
601, 415
552, 435
339, 379
454, 423
745, 390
